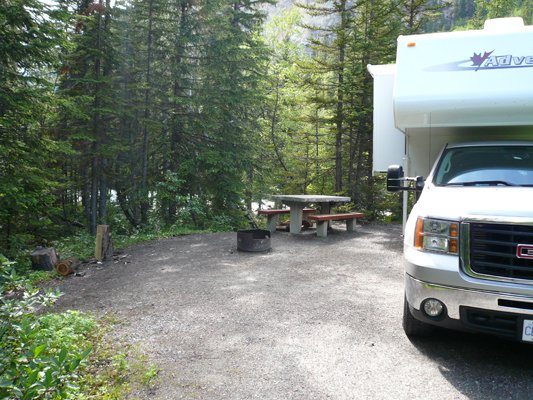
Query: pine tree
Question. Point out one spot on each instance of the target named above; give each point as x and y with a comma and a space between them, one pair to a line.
28, 37
179, 85
373, 41
293, 133
230, 75
486, 9
417, 14
88, 119
330, 48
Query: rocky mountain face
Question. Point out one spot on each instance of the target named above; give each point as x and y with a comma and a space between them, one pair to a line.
455, 13
320, 21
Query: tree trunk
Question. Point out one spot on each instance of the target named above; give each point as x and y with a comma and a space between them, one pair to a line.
122, 203
68, 266
144, 185
340, 102
363, 122
94, 190
44, 259
103, 194
96, 131
86, 194
273, 127
102, 208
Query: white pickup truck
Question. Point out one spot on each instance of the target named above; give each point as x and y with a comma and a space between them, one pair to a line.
457, 109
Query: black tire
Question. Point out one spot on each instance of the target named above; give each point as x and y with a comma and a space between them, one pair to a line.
412, 326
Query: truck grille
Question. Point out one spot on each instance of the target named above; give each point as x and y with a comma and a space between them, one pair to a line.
493, 250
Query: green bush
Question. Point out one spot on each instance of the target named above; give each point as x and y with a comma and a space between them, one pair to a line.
375, 202
39, 356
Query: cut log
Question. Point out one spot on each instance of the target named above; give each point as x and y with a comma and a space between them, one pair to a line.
68, 266
104, 244
44, 259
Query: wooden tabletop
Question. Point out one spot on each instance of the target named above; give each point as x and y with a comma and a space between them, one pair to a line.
309, 198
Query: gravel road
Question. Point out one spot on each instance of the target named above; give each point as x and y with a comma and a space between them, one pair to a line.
314, 318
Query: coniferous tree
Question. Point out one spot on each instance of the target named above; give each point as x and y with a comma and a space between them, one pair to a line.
293, 128
87, 120
28, 37
373, 41
526, 11
182, 49
417, 14
330, 48
230, 77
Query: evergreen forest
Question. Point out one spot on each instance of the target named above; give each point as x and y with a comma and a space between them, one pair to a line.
152, 114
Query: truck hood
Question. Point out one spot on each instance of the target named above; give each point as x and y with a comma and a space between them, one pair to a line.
454, 202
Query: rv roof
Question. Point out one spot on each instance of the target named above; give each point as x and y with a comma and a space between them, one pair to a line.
502, 24
494, 143
469, 78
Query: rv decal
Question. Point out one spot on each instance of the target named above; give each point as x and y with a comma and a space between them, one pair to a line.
478, 60
486, 61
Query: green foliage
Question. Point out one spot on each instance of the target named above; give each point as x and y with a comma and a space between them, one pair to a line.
114, 368
376, 203
150, 374
81, 244
13, 280
61, 356
471, 14
39, 357
294, 141
28, 174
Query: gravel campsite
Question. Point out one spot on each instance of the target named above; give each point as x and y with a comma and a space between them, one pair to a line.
313, 318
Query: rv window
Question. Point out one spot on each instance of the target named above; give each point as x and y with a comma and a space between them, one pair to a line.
485, 166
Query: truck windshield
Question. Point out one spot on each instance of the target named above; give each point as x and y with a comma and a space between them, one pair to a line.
486, 166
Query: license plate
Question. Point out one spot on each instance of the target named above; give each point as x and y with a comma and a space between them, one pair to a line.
527, 331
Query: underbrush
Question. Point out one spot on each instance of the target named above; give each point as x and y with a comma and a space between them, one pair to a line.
115, 368
60, 356
73, 239
70, 355
82, 243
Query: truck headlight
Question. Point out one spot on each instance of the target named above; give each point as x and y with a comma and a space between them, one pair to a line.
437, 235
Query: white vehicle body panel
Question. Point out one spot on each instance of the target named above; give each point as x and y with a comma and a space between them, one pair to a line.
449, 88
438, 83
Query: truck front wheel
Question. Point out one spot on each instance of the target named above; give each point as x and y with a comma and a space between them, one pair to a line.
411, 325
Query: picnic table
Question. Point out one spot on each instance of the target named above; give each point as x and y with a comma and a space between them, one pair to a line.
297, 203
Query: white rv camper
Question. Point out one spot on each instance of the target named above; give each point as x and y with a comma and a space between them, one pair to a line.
453, 121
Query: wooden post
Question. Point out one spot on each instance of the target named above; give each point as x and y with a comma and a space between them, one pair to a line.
44, 259
104, 244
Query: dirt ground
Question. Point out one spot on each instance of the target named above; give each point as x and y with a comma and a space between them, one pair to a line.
313, 318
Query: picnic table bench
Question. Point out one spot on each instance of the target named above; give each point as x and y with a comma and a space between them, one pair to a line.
322, 221
297, 202
272, 216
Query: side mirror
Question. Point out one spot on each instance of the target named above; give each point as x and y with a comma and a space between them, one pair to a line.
394, 175
419, 185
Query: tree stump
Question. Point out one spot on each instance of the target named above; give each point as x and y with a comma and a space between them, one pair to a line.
44, 259
68, 266
104, 244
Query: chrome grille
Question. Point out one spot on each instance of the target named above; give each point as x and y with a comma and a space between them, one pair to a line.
493, 250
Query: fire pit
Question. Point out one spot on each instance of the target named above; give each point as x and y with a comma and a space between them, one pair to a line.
253, 240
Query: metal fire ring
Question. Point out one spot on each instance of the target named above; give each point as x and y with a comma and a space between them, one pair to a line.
253, 240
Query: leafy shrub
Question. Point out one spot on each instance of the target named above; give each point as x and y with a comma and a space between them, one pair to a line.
81, 245
36, 361
375, 202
